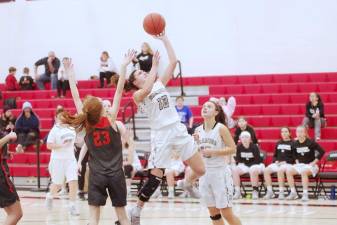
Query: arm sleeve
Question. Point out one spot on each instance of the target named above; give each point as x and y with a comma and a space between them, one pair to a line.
319, 151
51, 137
40, 62
307, 111
238, 158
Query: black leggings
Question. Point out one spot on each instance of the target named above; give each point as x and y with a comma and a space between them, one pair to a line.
62, 85
105, 75
81, 179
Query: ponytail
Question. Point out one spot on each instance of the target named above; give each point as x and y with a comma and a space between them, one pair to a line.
129, 86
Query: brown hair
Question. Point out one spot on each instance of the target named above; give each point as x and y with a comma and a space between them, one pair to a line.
285, 127
59, 109
11, 69
179, 97
105, 53
26, 70
129, 86
92, 110
221, 117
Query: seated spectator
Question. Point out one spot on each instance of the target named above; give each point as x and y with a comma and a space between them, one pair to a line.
11, 82
283, 160
7, 121
51, 65
63, 80
27, 127
144, 59
186, 116
26, 81
248, 160
314, 114
243, 126
307, 155
228, 107
176, 168
107, 69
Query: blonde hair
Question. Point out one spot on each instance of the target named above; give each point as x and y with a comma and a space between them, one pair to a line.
148, 48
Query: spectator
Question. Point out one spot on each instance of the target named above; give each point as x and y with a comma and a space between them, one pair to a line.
107, 69
228, 107
27, 127
51, 65
243, 126
314, 115
26, 81
144, 59
186, 116
248, 160
307, 154
7, 121
63, 80
11, 82
283, 160
176, 168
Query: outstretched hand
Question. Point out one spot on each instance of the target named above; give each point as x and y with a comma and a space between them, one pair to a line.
162, 36
129, 56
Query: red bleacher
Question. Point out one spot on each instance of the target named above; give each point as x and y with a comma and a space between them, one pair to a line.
267, 101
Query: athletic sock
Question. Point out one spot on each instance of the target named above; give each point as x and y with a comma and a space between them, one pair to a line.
269, 188
255, 188
128, 189
71, 203
293, 190
49, 196
237, 189
138, 209
281, 189
305, 191
171, 190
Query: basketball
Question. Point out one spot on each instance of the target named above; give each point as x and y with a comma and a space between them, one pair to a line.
154, 24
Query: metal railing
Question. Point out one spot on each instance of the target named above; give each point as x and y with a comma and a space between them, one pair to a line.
131, 105
180, 77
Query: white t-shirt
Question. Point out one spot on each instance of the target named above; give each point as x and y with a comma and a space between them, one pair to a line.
62, 135
107, 66
159, 107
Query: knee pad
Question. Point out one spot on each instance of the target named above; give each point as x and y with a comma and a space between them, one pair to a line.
128, 171
216, 217
149, 188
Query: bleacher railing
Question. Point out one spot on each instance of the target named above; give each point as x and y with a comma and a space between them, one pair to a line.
180, 77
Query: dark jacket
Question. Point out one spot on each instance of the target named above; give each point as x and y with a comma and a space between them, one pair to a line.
249, 129
26, 125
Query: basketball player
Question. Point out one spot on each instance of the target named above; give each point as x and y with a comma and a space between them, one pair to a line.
216, 186
9, 199
307, 155
282, 161
167, 131
62, 163
103, 141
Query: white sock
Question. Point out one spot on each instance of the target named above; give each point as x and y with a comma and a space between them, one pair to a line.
138, 209
293, 190
305, 191
49, 195
71, 203
171, 190
269, 188
237, 189
281, 189
128, 189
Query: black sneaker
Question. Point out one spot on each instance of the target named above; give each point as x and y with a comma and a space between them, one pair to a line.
81, 196
117, 223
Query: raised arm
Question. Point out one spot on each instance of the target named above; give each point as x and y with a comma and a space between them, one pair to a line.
73, 88
168, 74
120, 85
141, 94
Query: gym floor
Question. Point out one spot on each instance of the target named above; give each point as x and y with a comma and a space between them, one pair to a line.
181, 211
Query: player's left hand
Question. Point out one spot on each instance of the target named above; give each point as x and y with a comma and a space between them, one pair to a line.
207, 153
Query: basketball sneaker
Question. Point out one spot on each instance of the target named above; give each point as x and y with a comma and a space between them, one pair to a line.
194, 193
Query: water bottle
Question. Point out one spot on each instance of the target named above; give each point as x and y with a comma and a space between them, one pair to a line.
333, 193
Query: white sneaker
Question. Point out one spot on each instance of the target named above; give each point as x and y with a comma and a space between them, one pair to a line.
292, 196
134, 216
255, 195
193, 192
237, 195
171, 195
74, 211
49, 203
305, 197
281, 196
269, 195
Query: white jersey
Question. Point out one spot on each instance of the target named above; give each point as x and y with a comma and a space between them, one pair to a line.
212, 140
159, 107
62, 135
